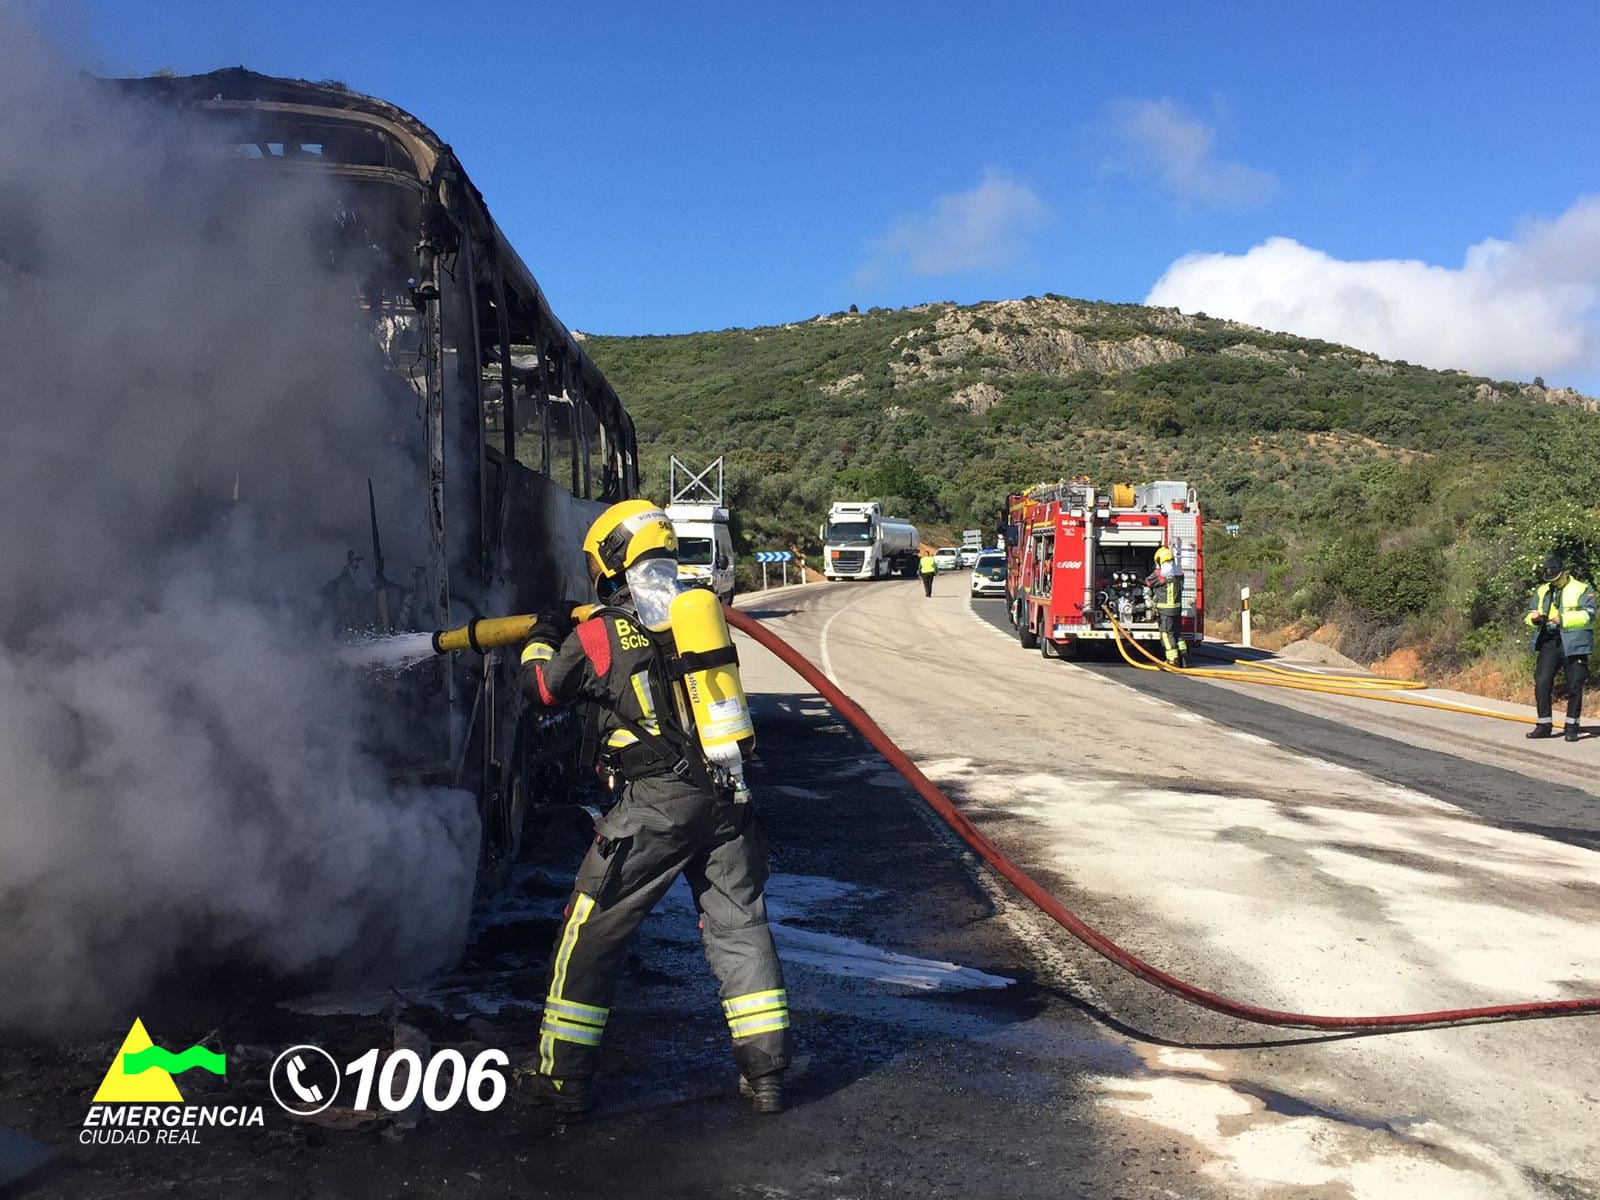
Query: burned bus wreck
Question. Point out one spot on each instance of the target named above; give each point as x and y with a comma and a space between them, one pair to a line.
484, 441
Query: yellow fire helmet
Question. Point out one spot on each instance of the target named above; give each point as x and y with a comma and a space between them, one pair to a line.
1163, 554
626, 532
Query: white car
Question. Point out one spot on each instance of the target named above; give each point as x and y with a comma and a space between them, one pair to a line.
969, 555
989, 574
946, 558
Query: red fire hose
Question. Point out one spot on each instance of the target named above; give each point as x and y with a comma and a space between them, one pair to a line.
1096, 941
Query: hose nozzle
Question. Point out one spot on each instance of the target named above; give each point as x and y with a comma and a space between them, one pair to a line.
488, 633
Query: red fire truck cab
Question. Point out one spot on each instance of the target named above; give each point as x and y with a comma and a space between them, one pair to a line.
1075, 555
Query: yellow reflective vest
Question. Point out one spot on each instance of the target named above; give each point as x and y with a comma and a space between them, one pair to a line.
1571, 609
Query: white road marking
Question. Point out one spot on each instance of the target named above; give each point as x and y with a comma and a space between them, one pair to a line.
827, 663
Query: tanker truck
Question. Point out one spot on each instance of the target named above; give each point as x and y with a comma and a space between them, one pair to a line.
859, 542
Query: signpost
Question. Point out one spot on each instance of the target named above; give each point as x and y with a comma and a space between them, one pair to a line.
774, 556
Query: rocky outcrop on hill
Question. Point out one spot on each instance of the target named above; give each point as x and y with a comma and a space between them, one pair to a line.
1536, 393
978, 397
1030, 337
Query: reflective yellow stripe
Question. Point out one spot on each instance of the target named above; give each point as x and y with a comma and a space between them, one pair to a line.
537, 652
619, 738
647, 707
569, 1031
743, 1027
755, 1002
582, 906
572, 1010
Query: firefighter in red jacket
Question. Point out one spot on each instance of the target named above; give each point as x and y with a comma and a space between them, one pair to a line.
1167, 581
675, 815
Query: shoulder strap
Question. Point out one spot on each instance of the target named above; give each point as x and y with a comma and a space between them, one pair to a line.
677, 746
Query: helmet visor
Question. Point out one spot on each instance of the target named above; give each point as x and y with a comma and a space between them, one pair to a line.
652, 583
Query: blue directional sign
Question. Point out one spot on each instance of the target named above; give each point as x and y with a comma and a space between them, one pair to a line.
766, 556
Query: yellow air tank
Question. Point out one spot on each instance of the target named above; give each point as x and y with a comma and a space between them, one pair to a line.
711, 682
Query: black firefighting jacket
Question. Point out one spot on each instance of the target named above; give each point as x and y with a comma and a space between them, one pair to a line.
617, 665
1168, 588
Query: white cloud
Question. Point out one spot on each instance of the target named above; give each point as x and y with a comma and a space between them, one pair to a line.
1160, 138
1513, 309
981, 229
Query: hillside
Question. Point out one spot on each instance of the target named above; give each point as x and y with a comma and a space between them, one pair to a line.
1405, 504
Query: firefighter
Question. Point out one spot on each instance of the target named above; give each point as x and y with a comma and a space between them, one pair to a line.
673, 816
927, 568
1561, 615
1167, 581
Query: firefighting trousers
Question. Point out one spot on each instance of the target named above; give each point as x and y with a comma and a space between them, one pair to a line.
662, 828
1170, 622
1553, 659
927, 585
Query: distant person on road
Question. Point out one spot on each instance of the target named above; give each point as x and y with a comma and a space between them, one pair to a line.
676, 814
1167, 583
1561, 616
927, 568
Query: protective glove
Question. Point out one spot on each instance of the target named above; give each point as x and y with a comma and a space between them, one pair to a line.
1538, 619
552, 625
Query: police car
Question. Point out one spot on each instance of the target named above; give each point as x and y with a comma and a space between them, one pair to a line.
989, 574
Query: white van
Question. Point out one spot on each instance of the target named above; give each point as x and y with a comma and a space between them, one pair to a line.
705, 547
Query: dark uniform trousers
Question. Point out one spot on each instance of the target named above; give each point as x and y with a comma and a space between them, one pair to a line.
1553, 659
662, 826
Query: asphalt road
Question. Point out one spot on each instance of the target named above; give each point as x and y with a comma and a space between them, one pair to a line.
1483, 766
1317, 854
1305, 853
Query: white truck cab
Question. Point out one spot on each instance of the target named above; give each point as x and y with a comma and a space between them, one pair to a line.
859, 542
705, 547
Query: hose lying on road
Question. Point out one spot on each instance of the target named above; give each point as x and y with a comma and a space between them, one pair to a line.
1362, 687
1089, 936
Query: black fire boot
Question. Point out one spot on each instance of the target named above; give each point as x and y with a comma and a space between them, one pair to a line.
566, 1097
1540, 731
764, 1093
1571, 734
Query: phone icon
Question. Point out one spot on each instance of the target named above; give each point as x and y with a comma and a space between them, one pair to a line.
304, 1080
296, 1068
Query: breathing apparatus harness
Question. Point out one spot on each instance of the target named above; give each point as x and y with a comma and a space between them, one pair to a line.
699, 702
677, 749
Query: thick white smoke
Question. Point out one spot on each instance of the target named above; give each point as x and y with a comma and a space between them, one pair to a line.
186, 432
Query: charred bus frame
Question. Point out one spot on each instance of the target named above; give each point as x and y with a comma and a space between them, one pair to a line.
525, 439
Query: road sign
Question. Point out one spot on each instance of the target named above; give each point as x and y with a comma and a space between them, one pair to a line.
774, 556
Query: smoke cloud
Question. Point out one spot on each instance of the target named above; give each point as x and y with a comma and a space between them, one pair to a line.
190, 397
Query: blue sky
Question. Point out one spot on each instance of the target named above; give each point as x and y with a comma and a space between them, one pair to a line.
1418, 179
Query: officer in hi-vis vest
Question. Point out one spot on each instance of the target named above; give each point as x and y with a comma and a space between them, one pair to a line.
669, 727
1561, 615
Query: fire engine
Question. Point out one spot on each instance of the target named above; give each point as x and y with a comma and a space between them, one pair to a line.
1076, 554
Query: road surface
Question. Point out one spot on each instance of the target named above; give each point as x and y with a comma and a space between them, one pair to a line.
1300, 852
1310, 853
